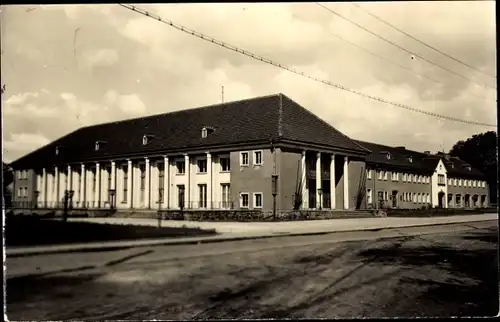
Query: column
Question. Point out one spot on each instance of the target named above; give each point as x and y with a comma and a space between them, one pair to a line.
129, 183
209, 184
113, 176
332, 182
69, 185
303, 181
43, 189
56, 186
166, 183
318, 179
187, 196
82, 197
147, 186
97, 193
346, 182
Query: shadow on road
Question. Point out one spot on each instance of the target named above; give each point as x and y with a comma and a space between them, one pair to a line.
463, 282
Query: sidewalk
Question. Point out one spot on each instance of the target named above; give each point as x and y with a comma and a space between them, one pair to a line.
229, 231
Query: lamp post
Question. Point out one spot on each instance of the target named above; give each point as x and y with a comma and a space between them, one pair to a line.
35, 205
160, 198
320, 194
275, 192
181, 200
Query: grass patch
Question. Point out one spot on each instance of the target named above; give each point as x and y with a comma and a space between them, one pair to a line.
32, 230
437, 212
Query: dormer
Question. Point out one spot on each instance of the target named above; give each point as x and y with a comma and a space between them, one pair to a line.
58, 149
99, 144
206, 130
147, 138
410, 159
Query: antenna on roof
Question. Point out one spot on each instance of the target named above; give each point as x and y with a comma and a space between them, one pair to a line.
223, 94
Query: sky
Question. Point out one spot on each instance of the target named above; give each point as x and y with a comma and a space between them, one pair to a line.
69, 66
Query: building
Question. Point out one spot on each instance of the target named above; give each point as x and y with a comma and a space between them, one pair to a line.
226, 156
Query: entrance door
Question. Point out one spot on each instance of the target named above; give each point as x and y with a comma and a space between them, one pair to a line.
394, 199
441, 199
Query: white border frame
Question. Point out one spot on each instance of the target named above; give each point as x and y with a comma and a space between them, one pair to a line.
255, 200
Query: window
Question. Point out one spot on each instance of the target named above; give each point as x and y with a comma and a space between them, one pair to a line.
94, 180
244, 158
441, 180
368, 173
428, 198
225, 164
144, 140
385, 176
19, 175
410, 159
204, 132
125, 182
449, 181
415, 177
386, 195
414, 199
395, 176
410, 176
202, 189
181, 167
419, 198
26, 192
483, 184
257, 200
257, 157
369, 196
244, 200
455, 182
404, 177
420, 179
380, 174
474, 183
226, 195
202, 166
20, 192
161, 181
459, 182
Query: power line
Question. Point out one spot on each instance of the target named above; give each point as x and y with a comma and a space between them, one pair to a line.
402, 48
421, 42
390, 61
292, 70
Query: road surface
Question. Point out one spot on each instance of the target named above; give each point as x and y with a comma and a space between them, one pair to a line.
415, 272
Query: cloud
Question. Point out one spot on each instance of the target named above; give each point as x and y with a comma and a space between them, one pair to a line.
122, 65
21, 142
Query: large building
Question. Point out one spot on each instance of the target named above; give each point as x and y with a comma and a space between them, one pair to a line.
226, 156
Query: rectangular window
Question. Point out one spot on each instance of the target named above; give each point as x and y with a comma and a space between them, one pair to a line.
161, 175
459, 182
410, 177
19, 192
125, 182
244, 159
226, 195
181, 193
428, 198
257, 157
244, 200
415, 177
404, 177
257, 200
202, 189
369, 196
181, 167
395, 176
225, 164
380, 174
483, 184
441, 179
19, 175
474, 183
368, 173
202, 166
385, 176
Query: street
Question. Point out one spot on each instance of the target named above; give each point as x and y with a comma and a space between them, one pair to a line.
414, 272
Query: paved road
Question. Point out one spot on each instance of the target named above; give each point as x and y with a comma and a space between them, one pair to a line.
426, 271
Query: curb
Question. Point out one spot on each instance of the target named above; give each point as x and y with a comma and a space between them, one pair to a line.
169, 242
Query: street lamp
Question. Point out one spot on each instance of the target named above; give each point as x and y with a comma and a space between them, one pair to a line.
320, 193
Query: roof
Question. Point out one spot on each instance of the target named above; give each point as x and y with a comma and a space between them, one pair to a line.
399, 158
262, 119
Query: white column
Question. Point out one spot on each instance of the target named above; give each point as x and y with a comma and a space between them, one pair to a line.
43, 190
97, 193
346, 182
147, 186
318, 179
187, 196
166, 183
209, 184
83, 177
332, 182
57, 185
303, 182
69, 180
129, 183
113, 176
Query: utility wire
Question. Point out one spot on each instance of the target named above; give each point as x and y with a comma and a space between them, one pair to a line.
292, 70
388, 60
420, 41
402, 48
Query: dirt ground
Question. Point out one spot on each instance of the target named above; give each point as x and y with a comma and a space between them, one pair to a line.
451, 274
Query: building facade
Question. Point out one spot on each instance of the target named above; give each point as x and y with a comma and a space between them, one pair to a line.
227, 156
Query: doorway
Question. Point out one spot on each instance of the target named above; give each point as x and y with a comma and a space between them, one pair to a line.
441, 199
394, 199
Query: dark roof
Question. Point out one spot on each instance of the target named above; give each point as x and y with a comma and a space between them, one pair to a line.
260, 119
420, 161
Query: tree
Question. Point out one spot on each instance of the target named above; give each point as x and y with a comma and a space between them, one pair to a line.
480, 151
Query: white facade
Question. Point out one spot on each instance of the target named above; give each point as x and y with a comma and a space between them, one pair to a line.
437, 187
